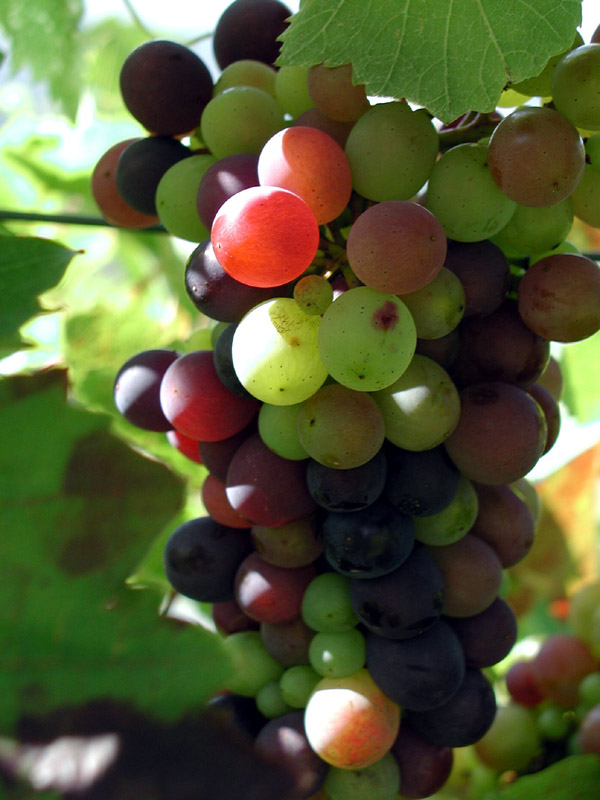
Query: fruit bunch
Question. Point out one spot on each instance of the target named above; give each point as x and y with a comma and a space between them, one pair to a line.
383, 291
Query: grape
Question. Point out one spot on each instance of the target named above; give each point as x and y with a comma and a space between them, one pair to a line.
136, 389
229, 618
584, 603
366, 339
586, 197
551, 378
396, 246
511, 424
278, 428
223, 179
337, 654
265, 488
217, 505
553, 723
240, 120
391, 150
421, 408
472, 575
533, 229
483, 271
196, 402
268, 593
420, 483
588, 735
291, 90
335, 94
452, 522
589, 690
176, 198
512, 741
165, 86
326, 604
140, 167
104, 190
500, 347
223, 361
559, 297
246, 72
287, 642
464, 718
576, 84
402, 603
424, 767
315, 119
297, 684
379, 781
522, 684
541, 84
252, 666
367, 543
487, 637
551, 413
249, 29
284, 741
444, 350
504, 522
340, 427
464, 197
276, 353
294, 544
536, 156
201, 558
236, 712
347, 489
254, 241
313, 294
559, 666
216, 456
311, 164
270, 702
189, 447
438, 307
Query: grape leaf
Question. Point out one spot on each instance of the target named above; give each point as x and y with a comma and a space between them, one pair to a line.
581, 393
451, 56
79, 509
573, 778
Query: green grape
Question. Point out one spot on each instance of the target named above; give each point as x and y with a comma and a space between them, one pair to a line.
391, 150
512, 741
240, 120
291, 90
589, 690
454, 521
270, 702
278, 428
297, 683
340, 427
532, 229
176, 198
592, 151
313, 294
366, 339
464, 197
563, 247
576, 87
326, 605
541, 84
438, 307
336, 655
586, 197
246, 72
275, 352
379, 781
553, 723
421, 408
252, 666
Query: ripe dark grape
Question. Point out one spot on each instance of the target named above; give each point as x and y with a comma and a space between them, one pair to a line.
136, 389
223, 361
483, 270
287, 642
424, 767
487, 637
551, 411
229, 618
347, 489
250, 29
420, 483
222, 180
504, 522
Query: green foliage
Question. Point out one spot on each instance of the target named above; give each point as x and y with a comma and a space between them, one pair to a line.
451, 57
581, 380
574, 778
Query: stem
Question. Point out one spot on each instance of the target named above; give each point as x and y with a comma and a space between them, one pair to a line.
137, 19
71, 219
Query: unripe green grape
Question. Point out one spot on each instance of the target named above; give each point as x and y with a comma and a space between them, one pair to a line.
270, 702
278, 428
391, 150
176, 198
421, 408
563, 247
314, 294
589, 690
291, 90
464, 197
335, 655
576, 87
438, 307
553, 723
379, 781
533, 229
512, 741
246, 72
297, 683
326, 604
252, 666
454, 521
541, 84
586, 197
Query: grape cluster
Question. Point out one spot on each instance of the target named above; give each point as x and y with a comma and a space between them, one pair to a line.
383, 300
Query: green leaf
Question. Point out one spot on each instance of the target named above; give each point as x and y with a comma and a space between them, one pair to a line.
581, 392
43, 36
573, 778
447, 55
79, 509
28, 267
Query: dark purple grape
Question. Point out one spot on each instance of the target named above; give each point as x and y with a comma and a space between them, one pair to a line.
420, 483
287, 642
443, 350
136, 389
464, 718
504, 522
419, 673
237, 712
404, 602
223, 362
424, 767
486, 637
250, 29
201, 559
141, 166
222, 180
215, 293
551, 411
483, 270
165, 86
344, 490
367, 543
216, 456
